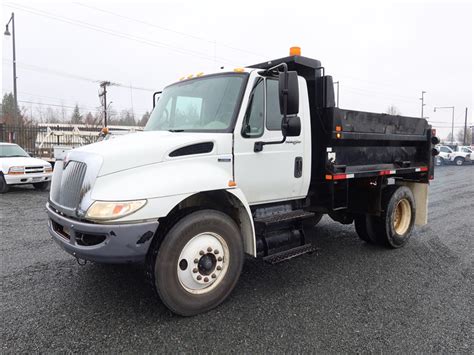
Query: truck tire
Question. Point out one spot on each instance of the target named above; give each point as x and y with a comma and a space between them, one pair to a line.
3, 185
393, 228
365, 229
198, 262
459, 161
41, 186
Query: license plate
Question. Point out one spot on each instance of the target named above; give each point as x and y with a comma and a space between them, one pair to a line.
37, 178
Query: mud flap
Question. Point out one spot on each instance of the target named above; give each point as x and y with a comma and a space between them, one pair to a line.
420, 192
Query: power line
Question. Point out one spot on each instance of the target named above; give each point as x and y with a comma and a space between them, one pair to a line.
169, 29
124, 35
72, 76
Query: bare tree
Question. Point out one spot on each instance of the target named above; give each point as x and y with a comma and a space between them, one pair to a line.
393, 110
460, 136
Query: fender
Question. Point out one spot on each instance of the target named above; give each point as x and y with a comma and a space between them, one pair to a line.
247, 227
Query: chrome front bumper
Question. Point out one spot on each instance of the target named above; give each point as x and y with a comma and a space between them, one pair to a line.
103, 243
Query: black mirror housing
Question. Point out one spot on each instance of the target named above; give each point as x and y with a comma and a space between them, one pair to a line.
292, 126
292, 91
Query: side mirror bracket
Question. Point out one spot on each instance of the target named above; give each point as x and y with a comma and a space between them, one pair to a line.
289, 105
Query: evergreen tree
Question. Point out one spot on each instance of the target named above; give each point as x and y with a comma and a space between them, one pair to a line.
8, 111
76, 117
144, 120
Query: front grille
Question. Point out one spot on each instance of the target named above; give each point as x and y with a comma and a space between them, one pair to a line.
67, 191
34, 169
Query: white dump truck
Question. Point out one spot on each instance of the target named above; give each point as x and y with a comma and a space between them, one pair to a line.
239, 162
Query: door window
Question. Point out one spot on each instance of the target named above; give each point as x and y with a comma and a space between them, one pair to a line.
254, 116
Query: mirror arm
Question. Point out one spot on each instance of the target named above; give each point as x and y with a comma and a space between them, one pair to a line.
258, 146
154, 97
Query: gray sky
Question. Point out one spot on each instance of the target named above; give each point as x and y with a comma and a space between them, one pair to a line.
383, 52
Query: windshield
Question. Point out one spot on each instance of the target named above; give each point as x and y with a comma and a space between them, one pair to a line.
7, 150
203, 104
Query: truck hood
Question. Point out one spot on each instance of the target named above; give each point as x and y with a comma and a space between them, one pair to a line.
145, 148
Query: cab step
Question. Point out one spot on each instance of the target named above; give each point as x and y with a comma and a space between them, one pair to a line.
290, 254
284, 217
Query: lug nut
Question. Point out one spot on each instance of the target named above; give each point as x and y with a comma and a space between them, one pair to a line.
201, 252
199, 277
209, 249
196, 261
216, 251
219, 258
213, 276
195, 270
219, 268
206, 279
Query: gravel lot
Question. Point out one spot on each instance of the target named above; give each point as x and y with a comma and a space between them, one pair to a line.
347, 297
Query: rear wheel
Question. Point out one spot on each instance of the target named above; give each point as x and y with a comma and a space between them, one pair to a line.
3, 185
393, 228
42, 186
198, 262
364, 228
459, 161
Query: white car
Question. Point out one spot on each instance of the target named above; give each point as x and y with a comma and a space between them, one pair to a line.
444, 155
18, 168
448, 155
464, 149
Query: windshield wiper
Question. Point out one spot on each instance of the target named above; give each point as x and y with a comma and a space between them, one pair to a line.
176, 130
11, 156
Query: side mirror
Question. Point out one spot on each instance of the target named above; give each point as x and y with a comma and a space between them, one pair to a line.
292, 126
288, 91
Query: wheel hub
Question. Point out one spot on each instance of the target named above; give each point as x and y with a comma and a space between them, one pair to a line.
207, 264
402, 217
203, 263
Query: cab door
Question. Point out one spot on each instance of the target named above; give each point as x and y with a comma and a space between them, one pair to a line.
275, 173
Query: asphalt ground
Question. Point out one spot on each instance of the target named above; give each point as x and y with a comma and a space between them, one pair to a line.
347, 297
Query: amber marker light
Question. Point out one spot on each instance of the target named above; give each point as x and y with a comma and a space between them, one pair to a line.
295, 51
231, 183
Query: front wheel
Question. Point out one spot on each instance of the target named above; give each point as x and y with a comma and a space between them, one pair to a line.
198, 262
3, 185
439, 161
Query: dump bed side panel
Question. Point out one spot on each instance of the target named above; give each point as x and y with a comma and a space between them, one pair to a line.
347, 141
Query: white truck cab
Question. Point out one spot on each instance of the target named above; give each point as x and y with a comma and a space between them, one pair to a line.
238, 162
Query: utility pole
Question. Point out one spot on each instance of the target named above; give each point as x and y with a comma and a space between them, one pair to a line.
103, 94
337, 95
7, 33
422, 98
465, 129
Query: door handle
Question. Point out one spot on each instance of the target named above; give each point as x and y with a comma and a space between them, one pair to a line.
298, 167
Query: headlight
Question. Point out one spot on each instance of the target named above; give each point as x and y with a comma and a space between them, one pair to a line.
107, 210
48, 169
16, 170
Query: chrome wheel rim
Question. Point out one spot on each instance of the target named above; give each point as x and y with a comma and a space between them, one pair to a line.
402, 217
203, 263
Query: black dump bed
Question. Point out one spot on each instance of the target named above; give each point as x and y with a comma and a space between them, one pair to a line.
365, 143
